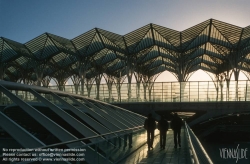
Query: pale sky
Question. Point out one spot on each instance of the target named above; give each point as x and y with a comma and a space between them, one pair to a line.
23, 20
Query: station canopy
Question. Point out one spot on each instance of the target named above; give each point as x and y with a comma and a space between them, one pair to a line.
213, 46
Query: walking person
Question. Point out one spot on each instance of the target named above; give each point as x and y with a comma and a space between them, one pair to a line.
176, 124
163, 127
150, 126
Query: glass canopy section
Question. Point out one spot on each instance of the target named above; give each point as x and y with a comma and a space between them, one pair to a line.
216, 47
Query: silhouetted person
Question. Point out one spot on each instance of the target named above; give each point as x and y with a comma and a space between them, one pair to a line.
163, 127
176, 126
150, 126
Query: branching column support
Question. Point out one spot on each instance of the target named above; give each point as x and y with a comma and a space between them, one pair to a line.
109, 81
138, 78
130, 72
228, 75
98, 82
89, 83
119, 81
129, 69
216, 85
76, 81
46, 81
233, 60
148, 82
145, 86
235, 56
219, 83
60, 82
181, 75
82, 74
236, 76
118, 87
39, 74
181, 69
150, 86
28, 82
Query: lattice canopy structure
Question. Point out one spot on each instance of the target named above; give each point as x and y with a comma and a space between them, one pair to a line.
213, 46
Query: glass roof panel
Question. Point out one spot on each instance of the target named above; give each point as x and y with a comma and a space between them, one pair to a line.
21, 60
231, 32
95, 46
172, 36
146, 42
83, 41
36, 44
188, 35
7, 53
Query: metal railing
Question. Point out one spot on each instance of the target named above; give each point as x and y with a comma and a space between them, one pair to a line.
198, 153
205, 91
193, 91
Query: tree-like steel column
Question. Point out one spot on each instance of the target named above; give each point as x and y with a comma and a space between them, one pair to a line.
46, 81
82, 74
76, 82
39, 71
118, 83
109, 80
130, 72
138, 77
89, 84
98, 82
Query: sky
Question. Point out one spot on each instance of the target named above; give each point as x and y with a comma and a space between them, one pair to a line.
23, 20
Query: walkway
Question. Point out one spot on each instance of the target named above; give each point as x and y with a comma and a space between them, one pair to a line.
157, 156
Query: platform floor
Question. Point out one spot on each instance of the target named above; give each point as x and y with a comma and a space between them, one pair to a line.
169, 155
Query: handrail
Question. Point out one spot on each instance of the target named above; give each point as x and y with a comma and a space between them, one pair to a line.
197, 148
96, 136
192, 147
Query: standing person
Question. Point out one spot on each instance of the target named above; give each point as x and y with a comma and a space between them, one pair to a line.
163, 127
150, 126
176, 126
